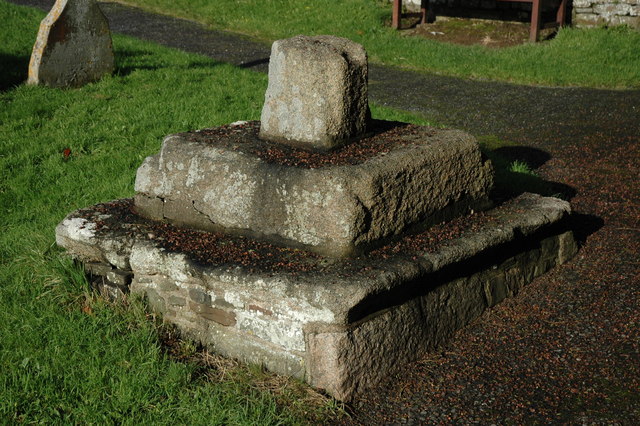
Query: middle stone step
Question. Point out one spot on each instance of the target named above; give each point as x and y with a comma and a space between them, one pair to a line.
338, 203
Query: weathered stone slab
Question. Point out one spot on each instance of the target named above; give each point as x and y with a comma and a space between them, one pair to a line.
317, 93
228, 181
73, 47
342, 325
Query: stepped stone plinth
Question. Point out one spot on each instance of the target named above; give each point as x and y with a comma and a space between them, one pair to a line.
342, 325
224, 179
228, 179
319, 243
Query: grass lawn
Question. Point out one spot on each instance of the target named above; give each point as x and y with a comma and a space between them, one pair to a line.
67, 355
600, 57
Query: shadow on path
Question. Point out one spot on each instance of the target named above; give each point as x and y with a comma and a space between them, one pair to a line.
535, 158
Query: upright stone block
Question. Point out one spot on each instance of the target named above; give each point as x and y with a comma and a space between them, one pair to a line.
317, 93
73, 47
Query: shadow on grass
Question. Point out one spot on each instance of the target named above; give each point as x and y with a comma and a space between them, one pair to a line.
13, 70
133, 56
148, 60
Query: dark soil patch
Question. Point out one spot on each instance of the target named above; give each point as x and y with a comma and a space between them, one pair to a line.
489, 33
383, 136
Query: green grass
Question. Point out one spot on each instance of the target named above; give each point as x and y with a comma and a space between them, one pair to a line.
593, 58
67, 355
518, 166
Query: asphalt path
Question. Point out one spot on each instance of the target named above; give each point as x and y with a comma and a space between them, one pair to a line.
515, 112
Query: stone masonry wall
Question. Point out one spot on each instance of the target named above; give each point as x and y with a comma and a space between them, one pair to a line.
584, 13
346, 361
588, 13
482, 9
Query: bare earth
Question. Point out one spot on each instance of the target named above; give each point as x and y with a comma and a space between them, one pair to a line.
490, 33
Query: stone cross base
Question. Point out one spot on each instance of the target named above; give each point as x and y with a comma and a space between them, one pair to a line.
345, 325
229, 179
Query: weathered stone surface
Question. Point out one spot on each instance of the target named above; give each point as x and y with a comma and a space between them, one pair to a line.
343, 332
346, 360
333, 210
220, 316
200, 296
78, 236
177, 301
73, 47
118, 277
112, 283
317, 93
588, 13
578, 4
97, 268
631, 21
586, 20
609, 10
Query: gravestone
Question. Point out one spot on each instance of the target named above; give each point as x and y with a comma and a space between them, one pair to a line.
73, 47
317, 93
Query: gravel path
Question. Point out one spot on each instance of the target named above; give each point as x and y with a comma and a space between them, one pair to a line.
567, 349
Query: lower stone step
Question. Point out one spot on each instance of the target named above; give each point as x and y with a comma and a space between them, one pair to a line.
343, 325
